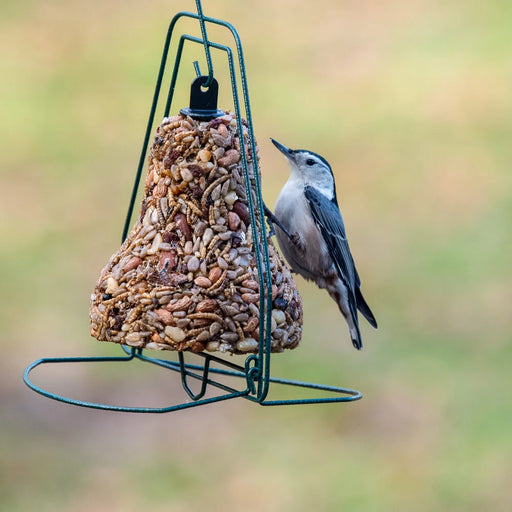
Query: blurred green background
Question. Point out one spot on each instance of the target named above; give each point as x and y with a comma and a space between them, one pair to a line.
410, 102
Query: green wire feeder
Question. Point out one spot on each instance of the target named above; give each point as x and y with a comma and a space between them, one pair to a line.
254, 374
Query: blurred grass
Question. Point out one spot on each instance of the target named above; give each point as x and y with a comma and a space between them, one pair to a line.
410, 103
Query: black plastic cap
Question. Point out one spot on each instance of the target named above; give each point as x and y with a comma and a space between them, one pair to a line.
203, 104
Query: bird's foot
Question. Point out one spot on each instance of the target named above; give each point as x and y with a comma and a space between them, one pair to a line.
271, 228
298, 241
273, 220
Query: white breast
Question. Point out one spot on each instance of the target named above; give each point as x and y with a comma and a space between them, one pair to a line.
292, 210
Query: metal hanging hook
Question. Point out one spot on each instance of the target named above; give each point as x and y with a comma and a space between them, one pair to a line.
206, 44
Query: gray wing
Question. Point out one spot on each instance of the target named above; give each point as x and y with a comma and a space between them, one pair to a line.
328, 218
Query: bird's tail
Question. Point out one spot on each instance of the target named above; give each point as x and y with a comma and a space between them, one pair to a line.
364, 308
348, 307
353, 324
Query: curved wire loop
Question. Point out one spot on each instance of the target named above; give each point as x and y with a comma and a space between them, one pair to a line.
255, 372
339, 394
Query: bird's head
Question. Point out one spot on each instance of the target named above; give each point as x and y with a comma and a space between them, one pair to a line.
309, 167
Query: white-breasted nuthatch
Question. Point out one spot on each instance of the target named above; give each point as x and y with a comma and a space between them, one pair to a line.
312, 235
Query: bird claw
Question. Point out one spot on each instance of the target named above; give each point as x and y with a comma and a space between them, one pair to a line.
273, 221
297, 241
271, 228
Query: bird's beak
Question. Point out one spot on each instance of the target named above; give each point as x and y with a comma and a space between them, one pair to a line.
288, 153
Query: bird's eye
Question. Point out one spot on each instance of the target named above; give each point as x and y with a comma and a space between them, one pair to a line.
310, 161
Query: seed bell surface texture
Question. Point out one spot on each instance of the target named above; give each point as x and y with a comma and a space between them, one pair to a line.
185, 278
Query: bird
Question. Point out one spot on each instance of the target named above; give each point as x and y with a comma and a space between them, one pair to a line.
311, 235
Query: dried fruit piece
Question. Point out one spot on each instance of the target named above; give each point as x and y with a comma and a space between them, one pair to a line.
251, 283
175, 333
204, 155
203, 282
242, 211
251, 298
112, 285
206, 305
132, 264
182, 225
171, 158
233, 221
166, 317
160, 190
232, 156
168, 260
180, 305
247, 345
215, 274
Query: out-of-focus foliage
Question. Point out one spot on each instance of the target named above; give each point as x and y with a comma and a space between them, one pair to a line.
410, 102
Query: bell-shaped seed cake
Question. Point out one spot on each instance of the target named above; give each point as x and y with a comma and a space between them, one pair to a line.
186, 278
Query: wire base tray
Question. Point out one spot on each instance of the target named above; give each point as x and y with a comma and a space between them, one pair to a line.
204, 374
254, 374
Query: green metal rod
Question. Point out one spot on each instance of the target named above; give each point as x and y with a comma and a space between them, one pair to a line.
176, 367
354, 395
151, 119
185, 373
177, 61
206, 43
148, 127
264, 276
116, 408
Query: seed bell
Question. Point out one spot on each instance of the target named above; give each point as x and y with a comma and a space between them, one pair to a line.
185, 278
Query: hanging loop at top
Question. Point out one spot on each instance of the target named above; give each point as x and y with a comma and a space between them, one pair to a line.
203, 103
206, 44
